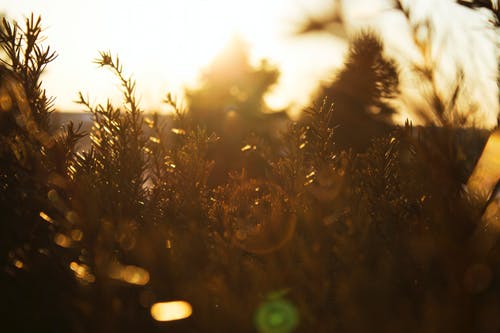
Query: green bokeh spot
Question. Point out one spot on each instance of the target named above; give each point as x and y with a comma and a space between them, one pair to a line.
276, 316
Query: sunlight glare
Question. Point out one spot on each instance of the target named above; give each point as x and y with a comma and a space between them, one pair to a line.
166, 45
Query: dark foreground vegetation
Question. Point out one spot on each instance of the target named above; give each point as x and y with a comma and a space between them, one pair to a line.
317, 228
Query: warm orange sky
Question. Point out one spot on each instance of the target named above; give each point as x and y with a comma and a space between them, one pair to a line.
165, 44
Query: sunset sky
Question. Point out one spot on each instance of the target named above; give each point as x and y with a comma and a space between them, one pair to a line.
165, 44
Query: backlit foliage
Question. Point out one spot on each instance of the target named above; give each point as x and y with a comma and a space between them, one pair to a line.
102, 238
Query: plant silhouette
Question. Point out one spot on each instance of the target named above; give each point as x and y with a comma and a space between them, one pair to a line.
342, 222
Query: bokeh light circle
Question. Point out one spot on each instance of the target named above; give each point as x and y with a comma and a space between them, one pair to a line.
276, 316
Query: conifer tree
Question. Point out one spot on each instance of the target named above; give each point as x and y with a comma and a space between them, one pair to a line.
232, 85
361, 93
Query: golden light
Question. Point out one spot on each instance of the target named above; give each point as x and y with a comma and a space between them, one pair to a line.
246, 148
129, 274
487, 171
62, 240
46, 218
168, 311
82, 272
482, 184
5, 101
76, 235
178, 131
164, 44
154, 139
19, 264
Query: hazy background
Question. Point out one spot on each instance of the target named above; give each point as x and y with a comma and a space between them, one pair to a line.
165, 44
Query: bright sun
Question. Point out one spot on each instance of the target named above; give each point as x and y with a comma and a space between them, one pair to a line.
179, 38
164, 44
188, 32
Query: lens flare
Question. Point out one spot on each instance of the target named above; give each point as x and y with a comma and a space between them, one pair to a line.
168, 311
276, 316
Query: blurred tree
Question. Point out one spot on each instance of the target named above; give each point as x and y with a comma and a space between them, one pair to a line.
231, 86
332, 22
361, 93
440, 107
361, 90
230, 102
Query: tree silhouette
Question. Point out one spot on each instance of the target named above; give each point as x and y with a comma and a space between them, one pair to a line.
231, 85
230, 102
361, 93
32, 265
